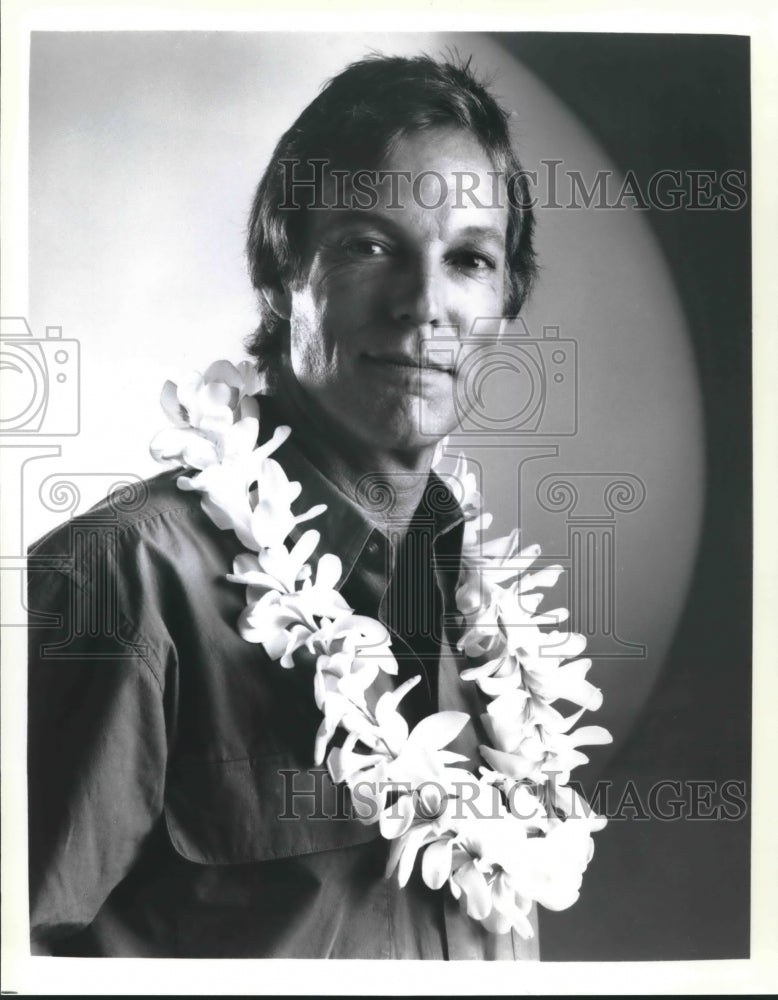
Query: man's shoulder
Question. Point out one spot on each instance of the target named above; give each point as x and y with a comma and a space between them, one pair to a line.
131, 509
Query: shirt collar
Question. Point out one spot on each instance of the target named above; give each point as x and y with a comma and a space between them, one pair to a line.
344, 527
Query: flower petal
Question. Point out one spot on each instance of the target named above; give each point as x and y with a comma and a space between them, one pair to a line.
544, 578
312, 512
170, 403
414, 839
241, 437
563, 644
438, 730
396, 819
475, 889
305, 545
509, 764
436, 863
590, 736
328, 571
484, 670
569, 683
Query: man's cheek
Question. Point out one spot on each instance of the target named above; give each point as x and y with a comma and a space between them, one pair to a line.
309, 349
477, 360
440, 409
454, 408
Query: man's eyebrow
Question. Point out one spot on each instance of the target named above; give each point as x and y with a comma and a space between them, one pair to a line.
354, 216
349, 216
481, 232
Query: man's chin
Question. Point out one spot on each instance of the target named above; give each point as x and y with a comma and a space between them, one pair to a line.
417, 433
389, 421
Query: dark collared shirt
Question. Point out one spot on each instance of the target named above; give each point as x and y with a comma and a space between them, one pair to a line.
168, 757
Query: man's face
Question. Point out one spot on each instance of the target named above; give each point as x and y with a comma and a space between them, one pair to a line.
381, 283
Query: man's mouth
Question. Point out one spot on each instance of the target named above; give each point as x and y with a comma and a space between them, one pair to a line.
408, 362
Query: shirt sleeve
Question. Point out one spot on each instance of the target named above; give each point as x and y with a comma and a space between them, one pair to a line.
96, 746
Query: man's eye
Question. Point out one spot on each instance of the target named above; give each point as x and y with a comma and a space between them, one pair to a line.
364, 247
472, 260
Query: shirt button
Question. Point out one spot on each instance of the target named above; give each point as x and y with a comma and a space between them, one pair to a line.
372, 548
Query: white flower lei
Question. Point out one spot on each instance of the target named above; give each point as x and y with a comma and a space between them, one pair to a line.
526, 834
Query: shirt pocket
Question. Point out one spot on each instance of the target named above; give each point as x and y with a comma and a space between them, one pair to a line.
257, 809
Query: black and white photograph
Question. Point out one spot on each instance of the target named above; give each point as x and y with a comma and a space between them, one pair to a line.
378, 443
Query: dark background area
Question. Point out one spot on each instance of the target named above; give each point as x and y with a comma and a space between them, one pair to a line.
679, 889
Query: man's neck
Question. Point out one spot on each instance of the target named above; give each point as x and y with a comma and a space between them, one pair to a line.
388, 485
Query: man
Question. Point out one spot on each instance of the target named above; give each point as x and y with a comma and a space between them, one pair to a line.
174, 807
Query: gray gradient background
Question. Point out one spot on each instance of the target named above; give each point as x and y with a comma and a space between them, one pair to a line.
144, 152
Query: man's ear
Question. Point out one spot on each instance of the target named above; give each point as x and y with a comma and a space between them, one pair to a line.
279, 300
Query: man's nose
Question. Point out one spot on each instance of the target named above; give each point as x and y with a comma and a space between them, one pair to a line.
420, 294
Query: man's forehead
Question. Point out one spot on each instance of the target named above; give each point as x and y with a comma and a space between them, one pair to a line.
467, 191
444, 148
482, 226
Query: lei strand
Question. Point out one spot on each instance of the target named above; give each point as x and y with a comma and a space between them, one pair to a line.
516, 832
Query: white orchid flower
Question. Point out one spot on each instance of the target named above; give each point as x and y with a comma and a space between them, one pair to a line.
567, 802
473, 527
214, 417
284, 620
549, 679
552, 867
429, 820
276, 623
364, 637
484, 850
531, 741
351, 650
501, 559
272, 518
226, 487
562, 755
407, 760
509, 909
432, 832
284, 568
289, 574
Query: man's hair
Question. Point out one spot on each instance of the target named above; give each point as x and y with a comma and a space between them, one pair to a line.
352, 124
